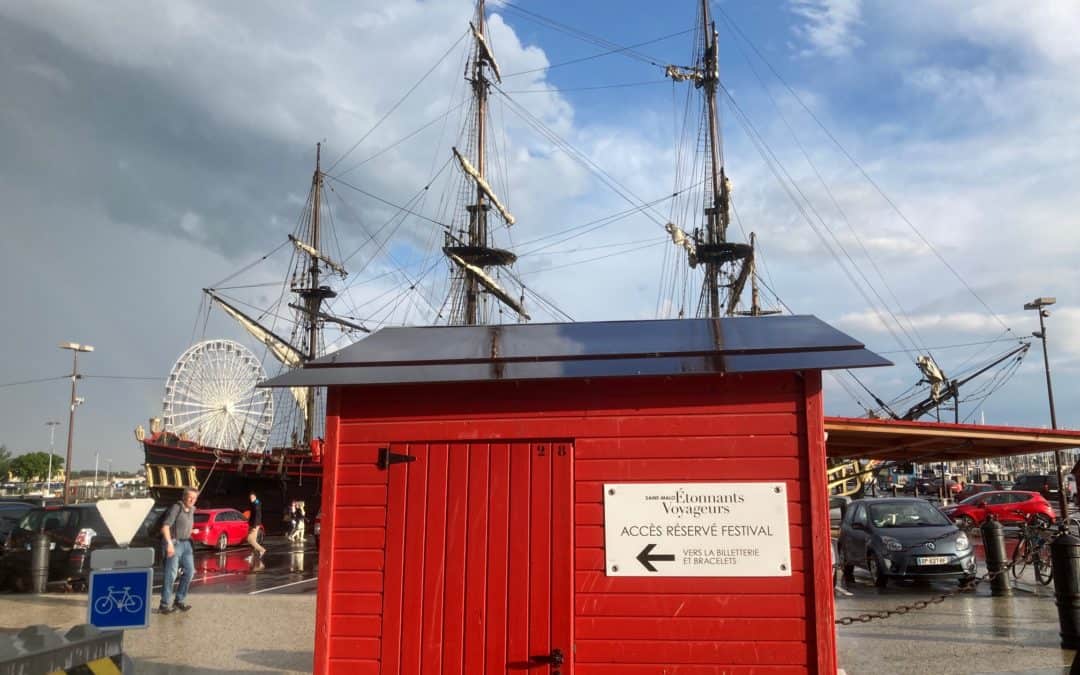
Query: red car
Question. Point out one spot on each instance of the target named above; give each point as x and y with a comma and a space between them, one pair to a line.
219, 528
1008, 506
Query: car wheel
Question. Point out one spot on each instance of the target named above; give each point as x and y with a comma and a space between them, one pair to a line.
877, 571
222, 541
966, 523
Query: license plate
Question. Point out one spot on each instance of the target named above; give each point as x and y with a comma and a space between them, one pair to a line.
933, 560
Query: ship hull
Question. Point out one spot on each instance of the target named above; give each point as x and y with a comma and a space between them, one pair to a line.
227, 478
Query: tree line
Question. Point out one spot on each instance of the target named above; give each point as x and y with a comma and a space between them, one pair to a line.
28, 466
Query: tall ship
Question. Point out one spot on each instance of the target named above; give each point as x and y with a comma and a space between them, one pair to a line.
224, 435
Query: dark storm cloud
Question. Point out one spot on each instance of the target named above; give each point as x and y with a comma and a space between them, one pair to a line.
115, 138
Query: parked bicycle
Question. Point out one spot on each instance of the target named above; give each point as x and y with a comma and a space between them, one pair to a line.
1034, 549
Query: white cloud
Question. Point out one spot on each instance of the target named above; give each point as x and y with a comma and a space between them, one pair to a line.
829, 26
181, 133
965, 322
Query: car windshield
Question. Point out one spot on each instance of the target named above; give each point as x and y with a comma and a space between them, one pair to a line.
52, 520
906, 514
202, 517
973, 498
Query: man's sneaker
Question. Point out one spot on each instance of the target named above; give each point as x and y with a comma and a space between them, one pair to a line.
162, 609
182, 606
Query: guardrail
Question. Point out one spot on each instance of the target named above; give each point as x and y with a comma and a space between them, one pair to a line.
83, 648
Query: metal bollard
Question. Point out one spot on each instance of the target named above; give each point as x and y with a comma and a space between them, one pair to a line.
39, 562
993, 536
1065, 554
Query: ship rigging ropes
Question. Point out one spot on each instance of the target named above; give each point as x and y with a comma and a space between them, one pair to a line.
211, 397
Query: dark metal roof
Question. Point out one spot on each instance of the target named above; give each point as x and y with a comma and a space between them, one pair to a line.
594, 349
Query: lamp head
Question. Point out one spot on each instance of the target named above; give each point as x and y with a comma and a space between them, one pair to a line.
1039, 303
75, 346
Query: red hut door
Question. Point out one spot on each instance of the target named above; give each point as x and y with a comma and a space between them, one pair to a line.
479, 566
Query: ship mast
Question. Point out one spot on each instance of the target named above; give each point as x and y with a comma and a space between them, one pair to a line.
307, 282
474, 254
478, 210
728, 265
313, 295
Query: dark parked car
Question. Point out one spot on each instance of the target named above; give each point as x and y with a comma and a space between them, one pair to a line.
74, 531
10, 515
838, 504
931, 487
1008, 506
1045, 484
972, 489
902, 538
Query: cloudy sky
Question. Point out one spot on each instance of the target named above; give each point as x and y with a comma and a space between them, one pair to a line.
909, 171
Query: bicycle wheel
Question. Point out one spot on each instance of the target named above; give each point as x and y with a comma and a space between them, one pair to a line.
103, 605
1020, 557
133, 604
1044, 567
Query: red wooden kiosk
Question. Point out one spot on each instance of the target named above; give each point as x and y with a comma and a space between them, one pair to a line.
478, 480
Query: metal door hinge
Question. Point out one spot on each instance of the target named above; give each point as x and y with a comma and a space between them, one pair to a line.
386, 458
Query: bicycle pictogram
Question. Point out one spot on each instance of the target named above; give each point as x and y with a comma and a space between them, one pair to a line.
122, 600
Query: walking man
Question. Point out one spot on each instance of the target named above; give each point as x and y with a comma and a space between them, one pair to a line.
254, 522
176, 541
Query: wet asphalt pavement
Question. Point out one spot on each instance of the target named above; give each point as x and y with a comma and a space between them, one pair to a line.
286, 567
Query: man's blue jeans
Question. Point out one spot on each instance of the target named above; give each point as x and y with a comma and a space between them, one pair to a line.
182, 556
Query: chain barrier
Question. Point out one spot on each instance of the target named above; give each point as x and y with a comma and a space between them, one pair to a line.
968, 585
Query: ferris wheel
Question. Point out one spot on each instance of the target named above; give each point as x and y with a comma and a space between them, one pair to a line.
211, 397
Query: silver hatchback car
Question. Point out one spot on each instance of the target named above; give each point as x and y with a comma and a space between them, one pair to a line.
902, 538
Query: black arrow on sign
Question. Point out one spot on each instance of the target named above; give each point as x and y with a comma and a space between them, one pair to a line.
647, 560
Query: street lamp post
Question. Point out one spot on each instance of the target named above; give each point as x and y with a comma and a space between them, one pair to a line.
52, 424
1040, 305
75, 401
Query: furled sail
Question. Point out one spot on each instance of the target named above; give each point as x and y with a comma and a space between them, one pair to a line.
468, 168
679, 238
490, 284
284, 352
289, 355
318, 254
485, 52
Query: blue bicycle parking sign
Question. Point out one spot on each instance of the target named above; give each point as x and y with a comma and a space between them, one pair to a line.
120, 599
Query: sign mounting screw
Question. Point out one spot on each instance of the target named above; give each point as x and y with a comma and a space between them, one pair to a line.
614, 568
611, 491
